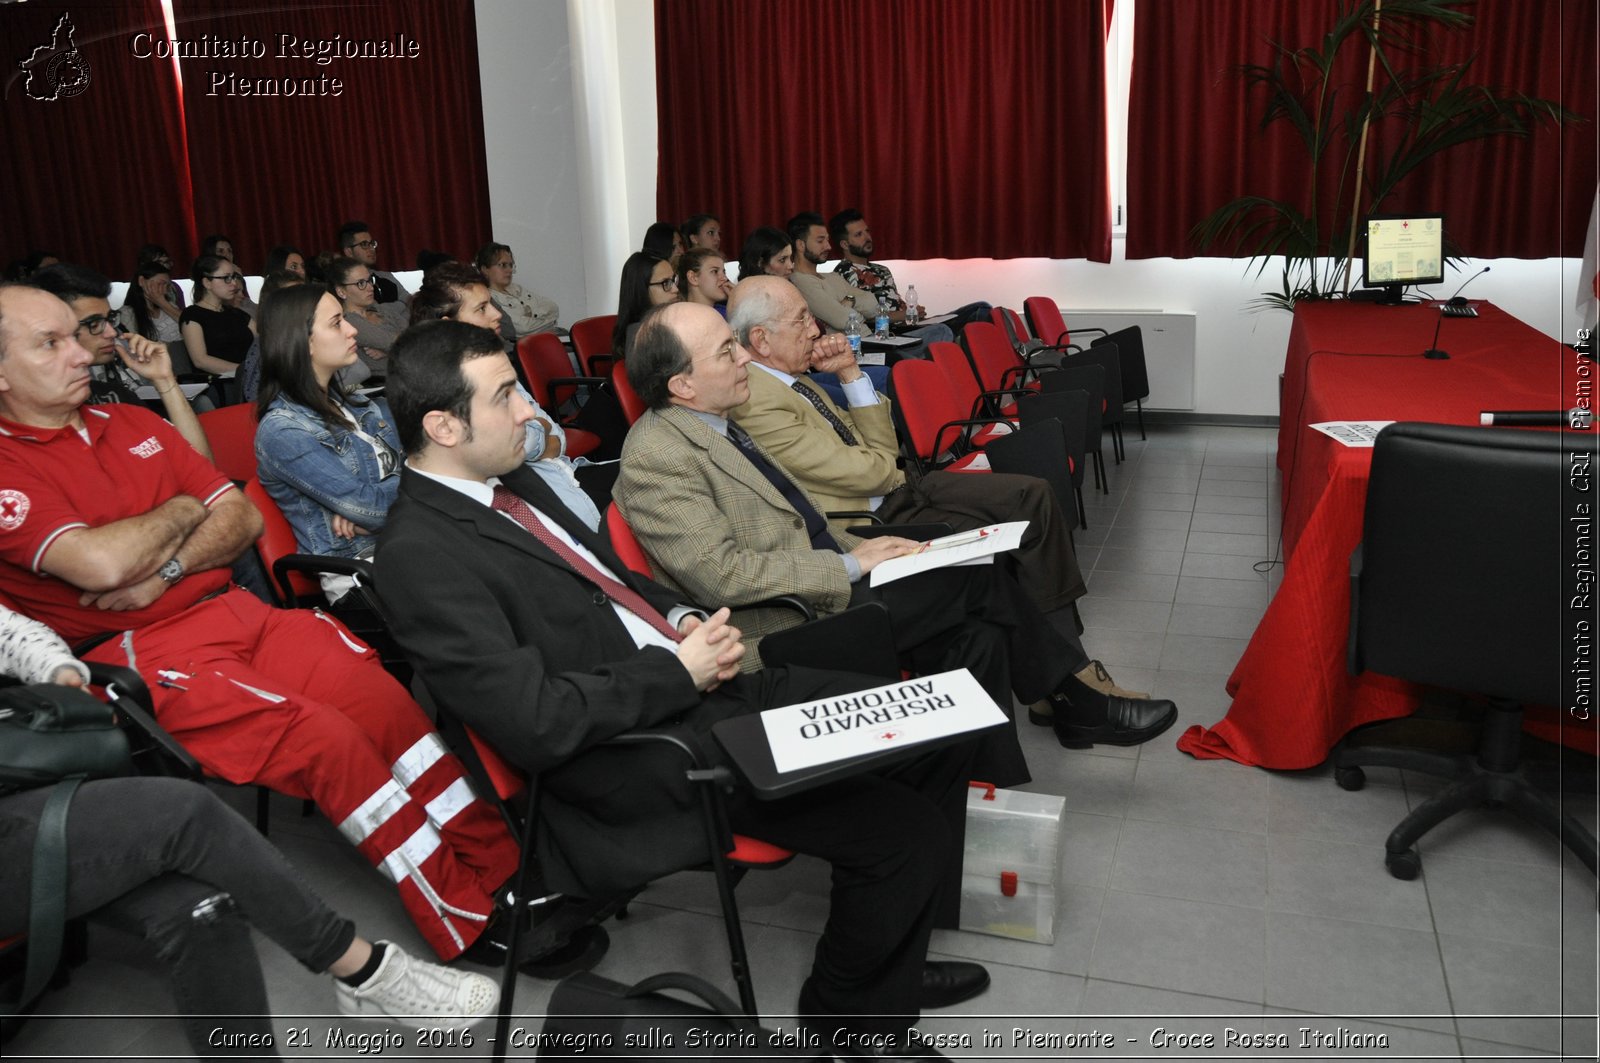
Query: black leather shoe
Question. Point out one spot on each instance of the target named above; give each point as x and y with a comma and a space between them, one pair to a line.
564, 939
948, 983
1127, 722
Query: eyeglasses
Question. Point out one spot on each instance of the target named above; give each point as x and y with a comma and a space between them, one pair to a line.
668, 285
234, 277
95, 324
369, 282
366, 245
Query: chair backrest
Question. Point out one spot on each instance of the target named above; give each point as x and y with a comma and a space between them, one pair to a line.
925, 402
1010, 322
991, 355
958, 371
544, 358
1045, 317
178, 352
1108, 357
231, 431
591, 338
1130, 350
1068, 408
1462, 583
633, 406
1089, 378
625, 543
277, 540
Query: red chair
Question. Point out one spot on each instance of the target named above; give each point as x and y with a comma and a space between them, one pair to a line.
1048, 324
231, 431
937, 433
280, 552
633, 406
952, 361
548, 370
1010, 322
591, 341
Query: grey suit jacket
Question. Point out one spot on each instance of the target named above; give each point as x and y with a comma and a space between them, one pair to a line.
717, 529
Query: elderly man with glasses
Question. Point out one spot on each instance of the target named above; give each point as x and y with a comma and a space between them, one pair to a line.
123, 361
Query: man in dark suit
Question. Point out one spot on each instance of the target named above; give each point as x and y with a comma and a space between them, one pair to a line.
499, 595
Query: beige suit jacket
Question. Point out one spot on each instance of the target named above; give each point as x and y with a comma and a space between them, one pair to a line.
830, 298
839, 476
717, 530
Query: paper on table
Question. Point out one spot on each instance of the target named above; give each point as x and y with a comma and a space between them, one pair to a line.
960, 548
1352, 433
897, 714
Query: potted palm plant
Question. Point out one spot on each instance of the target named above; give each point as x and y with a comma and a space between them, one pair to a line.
1418, 110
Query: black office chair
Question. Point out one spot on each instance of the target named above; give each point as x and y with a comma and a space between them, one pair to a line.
1462, 581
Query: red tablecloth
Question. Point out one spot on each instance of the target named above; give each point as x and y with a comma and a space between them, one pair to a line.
1293, 697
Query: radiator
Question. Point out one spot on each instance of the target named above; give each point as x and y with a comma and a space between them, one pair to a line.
1168, 349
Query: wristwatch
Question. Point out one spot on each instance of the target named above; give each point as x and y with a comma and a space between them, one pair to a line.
171, 572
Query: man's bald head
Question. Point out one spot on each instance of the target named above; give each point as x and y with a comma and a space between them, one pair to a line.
684, 354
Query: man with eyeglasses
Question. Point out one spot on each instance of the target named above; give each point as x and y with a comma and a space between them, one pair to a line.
357, 242
122, 361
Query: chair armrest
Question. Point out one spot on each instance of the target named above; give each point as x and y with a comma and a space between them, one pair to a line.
967, 422
857, 514
129, 696
315, 565
920, 532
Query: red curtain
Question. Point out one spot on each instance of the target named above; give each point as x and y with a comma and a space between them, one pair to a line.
98, 170
400, 148
962, 128
1191, 114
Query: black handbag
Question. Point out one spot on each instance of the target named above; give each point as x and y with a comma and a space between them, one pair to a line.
60, 735
594, 1017
49, 732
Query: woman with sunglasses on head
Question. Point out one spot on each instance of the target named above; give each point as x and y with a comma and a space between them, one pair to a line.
330, 459
646, 281
766, 250
216, 334
529, 312
377, 324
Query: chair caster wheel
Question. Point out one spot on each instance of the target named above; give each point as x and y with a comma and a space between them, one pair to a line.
1350, 778
1404, 865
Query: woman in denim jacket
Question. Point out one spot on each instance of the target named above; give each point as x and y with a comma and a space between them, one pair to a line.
330, 460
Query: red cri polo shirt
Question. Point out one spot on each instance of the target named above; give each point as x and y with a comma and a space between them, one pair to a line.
52, 480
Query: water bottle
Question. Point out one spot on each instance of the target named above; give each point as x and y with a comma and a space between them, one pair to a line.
880, 327
911, 305
852, 332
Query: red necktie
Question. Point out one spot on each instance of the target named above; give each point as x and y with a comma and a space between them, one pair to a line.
507, 502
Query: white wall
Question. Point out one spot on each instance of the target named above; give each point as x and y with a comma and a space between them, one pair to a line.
525, 68
536, 200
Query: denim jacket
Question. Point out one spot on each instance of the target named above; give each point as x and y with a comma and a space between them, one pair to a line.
314, 473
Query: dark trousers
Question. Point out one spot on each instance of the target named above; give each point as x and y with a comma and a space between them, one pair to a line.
977, 617
166, 859
1047, 564
894, 840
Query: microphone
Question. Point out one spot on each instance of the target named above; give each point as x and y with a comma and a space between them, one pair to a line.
1433, 351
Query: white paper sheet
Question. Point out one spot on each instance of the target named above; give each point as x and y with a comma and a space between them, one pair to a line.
902, 713
960, 548
1352, 433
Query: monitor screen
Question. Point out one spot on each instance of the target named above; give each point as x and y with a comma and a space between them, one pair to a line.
1404, 249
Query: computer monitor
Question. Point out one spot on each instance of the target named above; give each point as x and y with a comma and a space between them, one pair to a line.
1403, 249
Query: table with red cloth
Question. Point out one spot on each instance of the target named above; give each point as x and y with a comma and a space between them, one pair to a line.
1293, 696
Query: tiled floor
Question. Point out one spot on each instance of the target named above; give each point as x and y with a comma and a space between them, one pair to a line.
1205, 907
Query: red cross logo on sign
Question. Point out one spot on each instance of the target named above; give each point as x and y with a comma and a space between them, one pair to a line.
13, 509
890, 736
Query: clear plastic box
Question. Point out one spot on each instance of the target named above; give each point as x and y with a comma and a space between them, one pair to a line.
1010, 863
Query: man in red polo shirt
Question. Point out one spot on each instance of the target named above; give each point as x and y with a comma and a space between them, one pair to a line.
111, 523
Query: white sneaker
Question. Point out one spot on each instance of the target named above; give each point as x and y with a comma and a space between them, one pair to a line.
404, 986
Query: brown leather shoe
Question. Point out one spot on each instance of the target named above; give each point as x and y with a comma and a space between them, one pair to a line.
1094, 675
